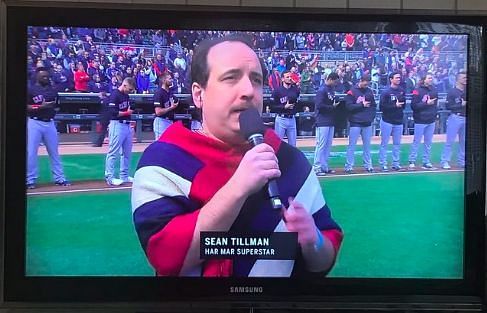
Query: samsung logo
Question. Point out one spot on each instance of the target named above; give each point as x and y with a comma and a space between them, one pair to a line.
246, 289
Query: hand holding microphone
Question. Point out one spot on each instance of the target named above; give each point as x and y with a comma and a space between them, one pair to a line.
259, 165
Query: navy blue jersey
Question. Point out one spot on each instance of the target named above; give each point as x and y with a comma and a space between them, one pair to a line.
36, 95
162, 99
390, 112
358, 115
324, 108
282, 96
118, 102
424, 113
454, 101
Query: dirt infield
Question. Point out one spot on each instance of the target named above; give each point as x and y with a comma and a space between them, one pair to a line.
86, 148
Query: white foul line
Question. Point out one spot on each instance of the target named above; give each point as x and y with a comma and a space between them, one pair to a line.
76, 190
390, 173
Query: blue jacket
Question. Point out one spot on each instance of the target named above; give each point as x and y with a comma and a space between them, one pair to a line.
358, 115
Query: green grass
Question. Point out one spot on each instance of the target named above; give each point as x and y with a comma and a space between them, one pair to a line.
395, 226
405, 225
399, 226
92, 166
83, 234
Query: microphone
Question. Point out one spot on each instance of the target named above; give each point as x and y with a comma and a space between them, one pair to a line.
252, 129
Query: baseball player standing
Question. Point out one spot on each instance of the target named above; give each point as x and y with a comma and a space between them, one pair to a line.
361, 108
425, 108
285, 101
41, 100
164, 105
391, 104
455, 125
119, 133
325, 105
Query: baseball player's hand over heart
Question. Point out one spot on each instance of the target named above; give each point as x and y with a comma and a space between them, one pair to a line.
258, 165
431, 101
297, 219
289, 105
464, 103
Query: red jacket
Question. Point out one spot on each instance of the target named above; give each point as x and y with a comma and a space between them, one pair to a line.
81, 80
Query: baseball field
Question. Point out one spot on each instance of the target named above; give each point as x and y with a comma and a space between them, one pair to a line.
396, 224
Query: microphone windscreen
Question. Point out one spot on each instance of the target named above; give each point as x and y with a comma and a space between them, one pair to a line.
250, 123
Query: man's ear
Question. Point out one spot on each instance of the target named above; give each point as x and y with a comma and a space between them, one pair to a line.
198, 95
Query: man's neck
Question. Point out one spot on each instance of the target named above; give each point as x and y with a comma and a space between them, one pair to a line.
287, 86
166, 88
460, 87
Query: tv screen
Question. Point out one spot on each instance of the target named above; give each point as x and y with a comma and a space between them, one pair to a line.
242, 156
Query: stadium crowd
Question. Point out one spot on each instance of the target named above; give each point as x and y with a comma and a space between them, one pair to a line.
94, 60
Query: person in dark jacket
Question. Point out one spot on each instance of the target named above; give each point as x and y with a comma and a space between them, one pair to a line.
425, 108
325, 105
391, 104
456, 102
361, 107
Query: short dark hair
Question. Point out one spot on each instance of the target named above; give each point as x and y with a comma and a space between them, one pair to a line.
42, 69
462, 72
332, 76
199, 66
365, 78
130, 81
285, 72
391, 75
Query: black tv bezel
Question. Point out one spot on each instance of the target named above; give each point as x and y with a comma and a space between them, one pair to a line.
19, 288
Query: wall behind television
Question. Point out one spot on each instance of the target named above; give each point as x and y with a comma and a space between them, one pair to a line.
478, 7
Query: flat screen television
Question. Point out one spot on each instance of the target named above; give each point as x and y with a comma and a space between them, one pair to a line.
398, 229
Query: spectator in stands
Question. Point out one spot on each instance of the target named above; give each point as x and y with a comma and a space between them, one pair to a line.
306, 83
282, 66
178, 84
180, 64
274, 79
128, 72
159, 65
296, 78
114, 84
97, 85
142, 80
60, 79
81, 79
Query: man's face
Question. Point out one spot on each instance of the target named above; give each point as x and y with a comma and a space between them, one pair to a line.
462, 79
428, 81
43, 77
396, 80
286, 79
363, 84
234, 84
168, 81
127, 88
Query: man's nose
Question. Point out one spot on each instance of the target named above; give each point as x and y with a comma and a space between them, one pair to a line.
246, 87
